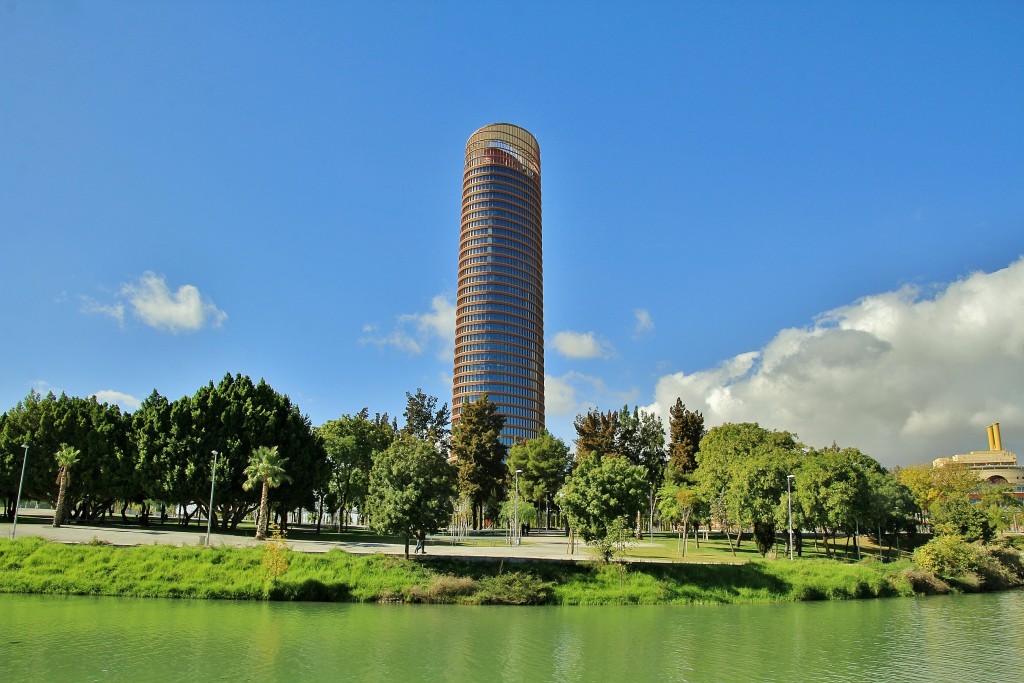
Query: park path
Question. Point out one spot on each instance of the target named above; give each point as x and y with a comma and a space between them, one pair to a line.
540, 545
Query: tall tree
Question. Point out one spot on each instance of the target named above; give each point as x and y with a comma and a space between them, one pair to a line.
931, 486
686, 429
641, 440
411, 489
741, 470
425, 421
477, 448
544, 461
918, 480
67, 457
833, 489
596, 434
235, 417
46, 423
351, 442
266, 469
890, 507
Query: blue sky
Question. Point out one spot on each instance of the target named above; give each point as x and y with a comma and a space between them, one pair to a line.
809, 215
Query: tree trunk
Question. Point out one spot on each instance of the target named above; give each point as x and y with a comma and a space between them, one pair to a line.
261, 523
407, 545
58, 514
729, 538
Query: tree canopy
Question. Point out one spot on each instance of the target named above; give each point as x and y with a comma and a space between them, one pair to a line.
479, 454
411, 489
601, 491
686, 429
544, 461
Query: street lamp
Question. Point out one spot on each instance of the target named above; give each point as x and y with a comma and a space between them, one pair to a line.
652, 514
213, 482
17, 505
789, 493
515, 512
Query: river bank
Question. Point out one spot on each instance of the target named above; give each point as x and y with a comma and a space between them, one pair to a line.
272, 572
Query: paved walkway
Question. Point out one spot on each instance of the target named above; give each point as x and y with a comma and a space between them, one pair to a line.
539, 545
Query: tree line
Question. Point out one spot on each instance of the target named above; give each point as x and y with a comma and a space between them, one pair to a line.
425, 475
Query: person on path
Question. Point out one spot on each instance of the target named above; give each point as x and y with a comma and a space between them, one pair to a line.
421, 538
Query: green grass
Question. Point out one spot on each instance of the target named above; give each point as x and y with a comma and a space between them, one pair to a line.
32, 565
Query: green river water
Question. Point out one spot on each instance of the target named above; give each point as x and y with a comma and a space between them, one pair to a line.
977, 638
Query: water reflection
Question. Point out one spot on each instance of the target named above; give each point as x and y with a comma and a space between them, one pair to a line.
928, 639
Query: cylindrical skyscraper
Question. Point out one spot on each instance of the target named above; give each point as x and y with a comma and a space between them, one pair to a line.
499, 323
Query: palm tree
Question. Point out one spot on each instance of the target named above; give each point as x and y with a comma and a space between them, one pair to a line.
266, 466
66, 457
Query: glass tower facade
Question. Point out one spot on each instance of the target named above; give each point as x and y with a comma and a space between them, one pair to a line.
499, 319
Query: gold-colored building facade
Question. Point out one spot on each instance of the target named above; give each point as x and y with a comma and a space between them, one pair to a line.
499, 319
994, 466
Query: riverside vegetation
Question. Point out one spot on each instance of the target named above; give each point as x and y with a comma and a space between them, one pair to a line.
271, 572
260, 453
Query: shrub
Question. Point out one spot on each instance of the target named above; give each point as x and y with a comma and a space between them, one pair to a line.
999, 568
947, 556
513, 588
1010, 557
446, 588
925, 583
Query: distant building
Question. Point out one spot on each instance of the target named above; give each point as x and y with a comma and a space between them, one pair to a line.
994, 466
499, 317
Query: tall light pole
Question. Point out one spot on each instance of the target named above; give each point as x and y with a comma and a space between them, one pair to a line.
213, 482
515, 513
789, 493
17, 505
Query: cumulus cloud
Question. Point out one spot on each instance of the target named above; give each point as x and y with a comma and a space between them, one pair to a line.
152, 301
906, 376
126, 401
184, 310
582, 345
414, 332
643, 323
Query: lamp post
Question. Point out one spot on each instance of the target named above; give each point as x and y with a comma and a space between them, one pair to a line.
515, 512
652, 515
789, 494
17, 504
213, 482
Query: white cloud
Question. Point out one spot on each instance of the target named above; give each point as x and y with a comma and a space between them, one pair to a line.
415, 331
574, 392
559, 396
115, 311
438, 322
184, 310
581, 345
643, 322
906, 376
126, 401
152, 302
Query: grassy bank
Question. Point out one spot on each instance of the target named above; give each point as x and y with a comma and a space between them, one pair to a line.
32, 565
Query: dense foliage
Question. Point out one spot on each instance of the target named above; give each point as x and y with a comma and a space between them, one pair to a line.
411, 489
